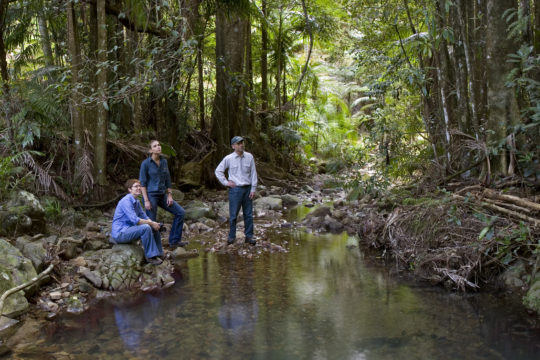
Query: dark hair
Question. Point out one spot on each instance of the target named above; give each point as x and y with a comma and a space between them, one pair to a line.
130, 183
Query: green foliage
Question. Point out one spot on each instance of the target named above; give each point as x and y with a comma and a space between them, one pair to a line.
12, 176
518, 242
53, 209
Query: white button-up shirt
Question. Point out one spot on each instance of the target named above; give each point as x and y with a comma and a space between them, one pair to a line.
241, 170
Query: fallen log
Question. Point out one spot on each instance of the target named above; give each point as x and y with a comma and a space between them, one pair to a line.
515, 214
513, 199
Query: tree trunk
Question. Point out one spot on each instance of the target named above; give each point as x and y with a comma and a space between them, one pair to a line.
45, 41
75, 98
264, 68
100, 145
502, 104
230, 51
536, 31
4, 70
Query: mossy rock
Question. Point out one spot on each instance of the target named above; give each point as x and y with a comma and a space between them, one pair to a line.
532, 299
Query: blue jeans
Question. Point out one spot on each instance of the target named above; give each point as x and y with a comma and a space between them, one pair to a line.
150, 238
239, 197
178, 223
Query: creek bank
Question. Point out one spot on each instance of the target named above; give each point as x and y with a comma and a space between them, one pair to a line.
418, 235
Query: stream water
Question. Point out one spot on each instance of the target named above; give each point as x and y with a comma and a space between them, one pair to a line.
324, 299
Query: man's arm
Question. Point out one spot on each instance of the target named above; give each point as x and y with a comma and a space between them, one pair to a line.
220, 172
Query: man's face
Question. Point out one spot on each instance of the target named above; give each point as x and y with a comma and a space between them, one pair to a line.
135, 189
238, 147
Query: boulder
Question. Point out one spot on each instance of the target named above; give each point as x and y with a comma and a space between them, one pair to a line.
33, 250
15, 270
24, 215
532, 299
268, 203
196, 210
290, 200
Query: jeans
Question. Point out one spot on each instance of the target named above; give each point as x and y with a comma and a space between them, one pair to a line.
150, 238
239, 197
178, 223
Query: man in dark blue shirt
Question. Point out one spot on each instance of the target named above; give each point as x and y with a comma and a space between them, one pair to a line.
131, 223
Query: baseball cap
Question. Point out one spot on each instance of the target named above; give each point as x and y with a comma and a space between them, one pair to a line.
236, 139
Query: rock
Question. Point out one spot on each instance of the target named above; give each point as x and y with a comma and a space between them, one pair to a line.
181, 253
75, 304
532, 298
307, 189
92, 276
96, 244
15, 270
196, 210
92, 226
35, 251
290, 200
268, 203
332, 225
118, 268
84, 286
512, 277
7, 326
25, 215
55, 295
320, 212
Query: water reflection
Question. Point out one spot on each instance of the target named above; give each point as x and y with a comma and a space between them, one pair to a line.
322, 300
132, 322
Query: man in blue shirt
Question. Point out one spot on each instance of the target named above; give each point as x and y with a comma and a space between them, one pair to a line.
131, 223
242, 183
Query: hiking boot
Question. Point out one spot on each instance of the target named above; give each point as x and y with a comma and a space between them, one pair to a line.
250, 241
230, 241
154, 261
178, 244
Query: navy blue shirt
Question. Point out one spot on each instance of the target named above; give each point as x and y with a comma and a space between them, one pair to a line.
156, 179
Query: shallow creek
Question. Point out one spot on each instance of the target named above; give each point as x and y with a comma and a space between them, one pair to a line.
324, 299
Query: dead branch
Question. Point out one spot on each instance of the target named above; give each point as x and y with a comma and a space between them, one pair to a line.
500, 209
507, 205
513, 199
23, 286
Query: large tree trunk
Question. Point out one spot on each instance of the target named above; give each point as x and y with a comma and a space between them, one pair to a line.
75, 97
264, 68
100, 145
230, 50
502, 104
45, 40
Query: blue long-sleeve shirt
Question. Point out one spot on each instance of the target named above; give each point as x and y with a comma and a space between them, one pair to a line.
156, 179
127, 214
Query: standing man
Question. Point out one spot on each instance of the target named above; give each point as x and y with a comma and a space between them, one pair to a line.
241, 183
130, 223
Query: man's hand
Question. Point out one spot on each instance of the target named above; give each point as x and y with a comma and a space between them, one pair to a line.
169, 199
251, 195
231, 184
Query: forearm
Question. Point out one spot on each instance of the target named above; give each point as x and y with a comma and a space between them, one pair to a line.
144, 194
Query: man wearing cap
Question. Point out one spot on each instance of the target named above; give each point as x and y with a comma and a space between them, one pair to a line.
241, 183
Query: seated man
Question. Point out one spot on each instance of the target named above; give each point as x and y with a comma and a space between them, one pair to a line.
131, 223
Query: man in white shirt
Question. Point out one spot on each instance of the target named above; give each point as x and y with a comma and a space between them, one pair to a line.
242, 183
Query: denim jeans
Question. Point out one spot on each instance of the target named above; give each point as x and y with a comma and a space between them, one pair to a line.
150, 238
239, 197
178, 223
